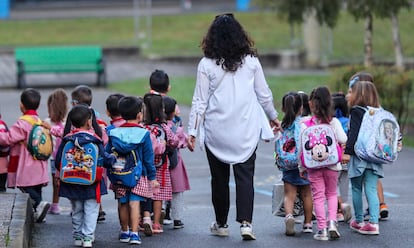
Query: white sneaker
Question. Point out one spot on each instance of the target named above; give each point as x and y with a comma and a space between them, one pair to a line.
289, 225
333, 230
41, 211
222, 231
347, 212
246, 231
77, 242
87, 242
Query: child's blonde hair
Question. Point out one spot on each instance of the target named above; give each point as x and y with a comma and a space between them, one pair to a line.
364, 94
57, 105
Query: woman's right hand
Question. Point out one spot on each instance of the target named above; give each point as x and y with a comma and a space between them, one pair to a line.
191, 141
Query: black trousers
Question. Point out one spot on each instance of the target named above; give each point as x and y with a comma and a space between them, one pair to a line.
220, 191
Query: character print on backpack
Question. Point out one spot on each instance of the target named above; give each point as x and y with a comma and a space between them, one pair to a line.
39, 143
377, 140
4, 150
319, 146
286, 148
127, 169
79, 162
159, 144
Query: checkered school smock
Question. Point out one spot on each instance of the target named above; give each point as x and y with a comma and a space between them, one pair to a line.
164, 179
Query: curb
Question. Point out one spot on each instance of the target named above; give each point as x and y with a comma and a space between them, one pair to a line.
21, 224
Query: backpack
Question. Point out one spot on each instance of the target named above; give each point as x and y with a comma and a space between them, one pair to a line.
172, 153
39, 143
319, 145
127, 169
4, 150
79, 162
377, 140
159, 143
286, 147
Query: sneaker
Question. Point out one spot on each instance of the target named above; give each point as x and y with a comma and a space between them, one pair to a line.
347, 212
41, 211
54, 209
289, 225
77, 242
167, 221
219, 230
124, 237
246, 231
383, 211
134, 239
147, 224
321, 235
178, 224
87, 242
333, 230
340, 217
307, 228
354, 225
369, 228
101, 216
366, 215
156, 228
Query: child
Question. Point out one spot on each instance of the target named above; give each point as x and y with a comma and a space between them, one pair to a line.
305, 104
113, 112
154, 114
57, 106
293, 183
179, 177
82, 94
324, 180
127, 137
84, 198
30, 175
364, 175
341, 113
4, 160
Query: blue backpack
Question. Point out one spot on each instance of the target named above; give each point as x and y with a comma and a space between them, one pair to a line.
79, 162
287, 147
378, 136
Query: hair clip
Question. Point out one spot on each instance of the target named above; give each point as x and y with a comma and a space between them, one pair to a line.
353, 81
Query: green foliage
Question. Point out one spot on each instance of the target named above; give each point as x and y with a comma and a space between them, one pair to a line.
394, 88
327, 11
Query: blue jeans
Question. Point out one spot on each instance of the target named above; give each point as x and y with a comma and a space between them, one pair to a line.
84, 216
368, 180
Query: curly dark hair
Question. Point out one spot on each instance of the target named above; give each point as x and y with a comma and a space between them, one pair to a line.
227, 42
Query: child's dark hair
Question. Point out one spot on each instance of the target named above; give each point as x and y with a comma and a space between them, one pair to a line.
30, 98
291, 105
82, 94
169, 105
79, 115
129, 107
340, 105
57, 104
112, 104
322, 104
97, 129
154, 109
305, 103
159, 81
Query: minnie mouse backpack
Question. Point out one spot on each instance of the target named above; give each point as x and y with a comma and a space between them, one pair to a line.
319, 145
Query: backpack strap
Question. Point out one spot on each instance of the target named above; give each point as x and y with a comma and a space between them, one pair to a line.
31, 119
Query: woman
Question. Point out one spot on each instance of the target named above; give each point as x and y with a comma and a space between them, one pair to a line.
229, 107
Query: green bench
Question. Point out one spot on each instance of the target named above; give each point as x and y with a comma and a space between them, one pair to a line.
59, 59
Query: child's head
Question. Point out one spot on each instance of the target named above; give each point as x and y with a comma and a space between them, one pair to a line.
320, 103
363, 93
340, 105
30, 99
81, 117
360, 76
57, 105
305, 103
154, 109
130, 108
169, 107
291, 106
82, 94
112, 105
160, 82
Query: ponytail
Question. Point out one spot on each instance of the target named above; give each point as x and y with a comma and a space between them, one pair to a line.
291, 106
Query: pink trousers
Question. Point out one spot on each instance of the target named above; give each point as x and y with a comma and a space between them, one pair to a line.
323, 185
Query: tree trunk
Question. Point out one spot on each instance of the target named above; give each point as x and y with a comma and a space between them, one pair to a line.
311, 39
368, 41
399, 57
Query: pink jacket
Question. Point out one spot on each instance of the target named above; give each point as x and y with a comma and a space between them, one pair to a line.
179, 177
23, 169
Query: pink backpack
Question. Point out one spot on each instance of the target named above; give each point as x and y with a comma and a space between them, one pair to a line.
159, 143
320, 147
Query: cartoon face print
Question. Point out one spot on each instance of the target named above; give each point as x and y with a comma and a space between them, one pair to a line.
289, 146
119, 164
88, 162
319, 146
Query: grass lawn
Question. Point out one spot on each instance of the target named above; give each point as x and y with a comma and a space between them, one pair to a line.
181, 34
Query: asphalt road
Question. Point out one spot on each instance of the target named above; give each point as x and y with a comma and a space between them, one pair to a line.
395, 232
